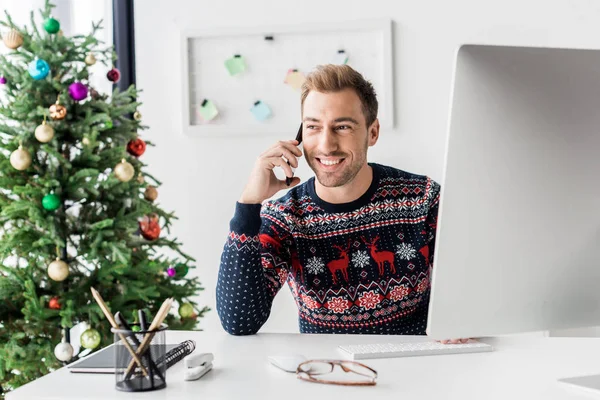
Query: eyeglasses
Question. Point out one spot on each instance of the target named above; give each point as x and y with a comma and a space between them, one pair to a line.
313, 371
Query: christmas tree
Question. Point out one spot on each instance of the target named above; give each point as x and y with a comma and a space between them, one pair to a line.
77, 209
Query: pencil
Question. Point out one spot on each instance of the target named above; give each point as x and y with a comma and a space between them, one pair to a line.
156, 322
114, 324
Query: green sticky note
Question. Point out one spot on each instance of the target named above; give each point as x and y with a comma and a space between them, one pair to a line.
235, 65
208, 110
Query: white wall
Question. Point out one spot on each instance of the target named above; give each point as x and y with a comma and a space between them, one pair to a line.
204, 177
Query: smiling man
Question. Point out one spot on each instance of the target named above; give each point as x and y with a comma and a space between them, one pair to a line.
354, 243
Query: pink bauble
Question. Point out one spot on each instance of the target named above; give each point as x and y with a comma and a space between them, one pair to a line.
78, 91
171, 272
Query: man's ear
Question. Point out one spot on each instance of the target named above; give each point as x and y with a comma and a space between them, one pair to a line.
373, 132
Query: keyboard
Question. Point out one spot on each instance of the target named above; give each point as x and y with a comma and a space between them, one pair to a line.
393, 350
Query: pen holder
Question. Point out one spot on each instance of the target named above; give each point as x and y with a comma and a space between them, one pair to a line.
145, 371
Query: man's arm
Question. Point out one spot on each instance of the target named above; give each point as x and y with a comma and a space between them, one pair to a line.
431, 221
254, 266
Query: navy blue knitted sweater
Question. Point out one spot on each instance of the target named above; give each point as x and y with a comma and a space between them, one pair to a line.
359, 267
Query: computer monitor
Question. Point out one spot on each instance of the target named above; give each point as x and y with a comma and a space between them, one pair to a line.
518, 234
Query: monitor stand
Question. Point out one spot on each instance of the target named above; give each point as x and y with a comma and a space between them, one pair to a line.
590, 383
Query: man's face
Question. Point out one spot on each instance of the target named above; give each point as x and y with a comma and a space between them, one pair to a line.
335, 136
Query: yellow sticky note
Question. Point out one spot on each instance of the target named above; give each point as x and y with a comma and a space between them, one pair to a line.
295, 79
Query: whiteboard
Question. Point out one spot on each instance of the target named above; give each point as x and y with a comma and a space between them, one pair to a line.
368, 45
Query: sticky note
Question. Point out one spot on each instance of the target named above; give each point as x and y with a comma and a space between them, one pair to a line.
208, 110
295, 79
235, 65
261, 111
341, 57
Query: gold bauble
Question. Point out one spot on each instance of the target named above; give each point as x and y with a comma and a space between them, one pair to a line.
58, 270
44, 133
90, 59
20, 159
124, 171
140, 178
60, 33
13, 39
58, 111
150, 193
86, 141
137, 115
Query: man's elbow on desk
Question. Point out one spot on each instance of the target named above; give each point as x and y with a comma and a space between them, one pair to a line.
240, 326
239, 330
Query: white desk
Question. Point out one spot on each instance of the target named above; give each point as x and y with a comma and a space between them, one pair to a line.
520, 368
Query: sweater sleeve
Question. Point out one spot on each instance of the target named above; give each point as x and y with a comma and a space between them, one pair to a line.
432, 217
254, 266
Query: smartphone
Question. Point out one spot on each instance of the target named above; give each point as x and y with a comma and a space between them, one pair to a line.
288, 181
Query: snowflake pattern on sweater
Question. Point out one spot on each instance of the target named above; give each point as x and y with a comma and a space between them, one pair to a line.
359, 267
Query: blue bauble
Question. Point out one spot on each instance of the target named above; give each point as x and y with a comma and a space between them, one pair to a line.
38, 69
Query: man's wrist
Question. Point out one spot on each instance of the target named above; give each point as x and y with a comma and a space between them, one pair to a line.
249, 200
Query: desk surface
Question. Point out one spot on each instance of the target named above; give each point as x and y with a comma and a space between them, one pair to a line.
520, 368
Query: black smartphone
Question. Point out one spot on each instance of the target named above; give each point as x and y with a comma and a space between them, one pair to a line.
288, 181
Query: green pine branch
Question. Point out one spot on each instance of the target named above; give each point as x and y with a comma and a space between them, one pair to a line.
96, 227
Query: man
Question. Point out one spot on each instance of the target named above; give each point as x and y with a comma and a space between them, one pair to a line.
355, 245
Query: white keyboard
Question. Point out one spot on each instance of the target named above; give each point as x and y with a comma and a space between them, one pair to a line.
390, 350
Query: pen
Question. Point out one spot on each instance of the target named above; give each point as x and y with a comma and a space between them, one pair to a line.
144, 326
123, 323
288, 181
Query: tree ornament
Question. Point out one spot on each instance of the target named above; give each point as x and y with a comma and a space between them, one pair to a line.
44, 132
140, 178
90, 339
63, 351
3, 80
60, 33
90, 59
51, 25
57, 111
171, 272
149, 227
186, 310
58, 270
13, 39
136, 147
86, 141
181, 270
94, 94
78, 91
54, 304
137, 115
20, 159
114, 75
38, 69
124, 171
51, 202
150, 193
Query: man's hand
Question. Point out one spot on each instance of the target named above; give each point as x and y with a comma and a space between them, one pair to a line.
263, 183
453, 341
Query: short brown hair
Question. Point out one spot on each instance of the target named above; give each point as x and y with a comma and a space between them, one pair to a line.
334, 78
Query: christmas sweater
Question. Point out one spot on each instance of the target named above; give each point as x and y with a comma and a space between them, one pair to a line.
358, 267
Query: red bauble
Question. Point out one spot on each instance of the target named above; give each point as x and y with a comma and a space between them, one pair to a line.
114, 75
149, 227
54, 304
136, 147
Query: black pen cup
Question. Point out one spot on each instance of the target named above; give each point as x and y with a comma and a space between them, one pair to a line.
149, 371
